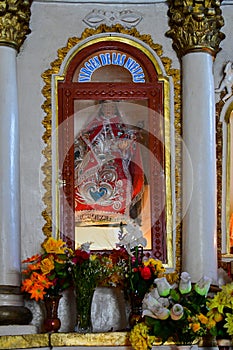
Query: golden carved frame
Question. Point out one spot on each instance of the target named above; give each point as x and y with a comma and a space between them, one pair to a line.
47, 123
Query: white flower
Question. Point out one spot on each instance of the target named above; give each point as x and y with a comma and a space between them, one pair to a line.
177, 312
162, 313
185, 284
203, 285
153, 308
132, 238
149, 302
164, 302
163, 286
86, 246
155, 294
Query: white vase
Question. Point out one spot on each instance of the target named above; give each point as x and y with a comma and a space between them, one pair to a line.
108, 311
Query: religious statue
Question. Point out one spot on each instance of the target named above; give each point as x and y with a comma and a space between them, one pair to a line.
227, 81
109, 175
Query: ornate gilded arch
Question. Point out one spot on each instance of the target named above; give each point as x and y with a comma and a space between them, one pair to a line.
47, 123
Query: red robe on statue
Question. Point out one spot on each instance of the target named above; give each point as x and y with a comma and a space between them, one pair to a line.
109, 172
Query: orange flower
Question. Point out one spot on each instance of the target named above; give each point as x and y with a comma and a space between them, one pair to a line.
41, 279
26, 285
203, 319
35, 266
195, 327
37, 292
33, 258
47, 270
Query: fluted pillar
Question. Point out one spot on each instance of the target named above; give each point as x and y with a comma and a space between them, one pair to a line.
195, 30
14, 19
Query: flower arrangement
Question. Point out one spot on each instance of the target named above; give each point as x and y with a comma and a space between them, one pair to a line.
174, 313
105, 269
141, 269
90, 270
221, 312
47, 273
116, 263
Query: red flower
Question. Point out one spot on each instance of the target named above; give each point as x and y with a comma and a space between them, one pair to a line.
145, 272
80, 256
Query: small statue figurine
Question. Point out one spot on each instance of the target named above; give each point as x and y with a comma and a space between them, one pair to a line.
227, 81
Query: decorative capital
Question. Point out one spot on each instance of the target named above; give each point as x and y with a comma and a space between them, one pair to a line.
14, 22
195, 25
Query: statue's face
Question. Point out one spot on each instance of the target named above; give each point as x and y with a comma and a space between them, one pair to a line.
109, 108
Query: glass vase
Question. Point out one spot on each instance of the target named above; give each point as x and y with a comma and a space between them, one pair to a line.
52, 322
84, 296
135, 315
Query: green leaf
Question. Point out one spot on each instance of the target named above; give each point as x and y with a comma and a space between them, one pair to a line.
214, 331
51, 277
175, 296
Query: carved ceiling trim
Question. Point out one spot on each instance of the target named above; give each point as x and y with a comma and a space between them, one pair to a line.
127, 18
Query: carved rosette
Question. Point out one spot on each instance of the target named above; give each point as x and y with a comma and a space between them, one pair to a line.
14, 22
195, 26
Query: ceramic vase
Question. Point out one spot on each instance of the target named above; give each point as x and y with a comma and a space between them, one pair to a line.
52, 322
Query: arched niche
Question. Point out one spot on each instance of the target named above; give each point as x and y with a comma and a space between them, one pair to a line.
121, 67
225, 177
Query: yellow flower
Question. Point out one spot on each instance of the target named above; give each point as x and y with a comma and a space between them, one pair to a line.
229, 323
218, 317
203, 319
211, 323
47, 265
140, 338
93, 257
52, 245
222, 299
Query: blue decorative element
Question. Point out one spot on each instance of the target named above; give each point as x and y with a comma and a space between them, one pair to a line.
97, 195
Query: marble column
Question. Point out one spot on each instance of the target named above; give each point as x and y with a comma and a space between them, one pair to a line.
195, 30
13, 29
199, 176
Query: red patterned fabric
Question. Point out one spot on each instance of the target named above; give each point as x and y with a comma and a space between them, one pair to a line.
109, 171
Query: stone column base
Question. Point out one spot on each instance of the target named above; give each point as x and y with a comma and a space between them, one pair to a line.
12, 309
